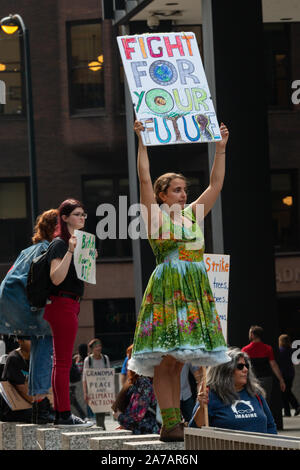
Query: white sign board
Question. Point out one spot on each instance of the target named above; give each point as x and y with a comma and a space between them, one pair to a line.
217, 267
85, 256
101, 389
168, 88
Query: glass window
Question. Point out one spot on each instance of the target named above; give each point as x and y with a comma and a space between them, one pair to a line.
115, 321
102, 190
277, 64
15, 226
284, 211
11, 74
86, 63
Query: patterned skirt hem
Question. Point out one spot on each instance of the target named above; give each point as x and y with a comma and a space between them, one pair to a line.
144, 363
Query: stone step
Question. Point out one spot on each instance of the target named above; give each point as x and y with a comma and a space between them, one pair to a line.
26, 436
51, 438
80, 440
153, 445
116, 443
7, 436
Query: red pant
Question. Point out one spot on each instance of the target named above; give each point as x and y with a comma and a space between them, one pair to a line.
62, 315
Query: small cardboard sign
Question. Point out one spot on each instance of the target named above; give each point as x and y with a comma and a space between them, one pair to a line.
85, 256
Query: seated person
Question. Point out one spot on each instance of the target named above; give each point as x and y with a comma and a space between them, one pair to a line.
235, 399
16, 371
135, 406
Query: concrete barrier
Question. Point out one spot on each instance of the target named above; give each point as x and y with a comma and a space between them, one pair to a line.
7, 436
207, 438
113, 443
80, 440
153, 445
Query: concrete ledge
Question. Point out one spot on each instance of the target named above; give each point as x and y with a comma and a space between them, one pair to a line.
153, 445
80, 440
26, 436
116, 443
51, 438
7, 436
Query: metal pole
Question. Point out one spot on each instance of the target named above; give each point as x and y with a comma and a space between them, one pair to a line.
133, 189
30, 120
209, 65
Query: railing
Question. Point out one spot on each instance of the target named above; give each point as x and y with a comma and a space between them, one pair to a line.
207, 438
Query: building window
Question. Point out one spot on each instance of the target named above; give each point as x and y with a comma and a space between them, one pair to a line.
277, 64
115, 321
11, 74
101, 190
15, 224
86, 64
284, 210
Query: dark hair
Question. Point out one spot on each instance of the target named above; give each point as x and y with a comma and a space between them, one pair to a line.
257, 331
45, 226
163, 182
284, 341
65, 208
93, 341
83, 350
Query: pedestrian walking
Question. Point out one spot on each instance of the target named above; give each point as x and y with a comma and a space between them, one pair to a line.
263, 360
288, 373
178, 321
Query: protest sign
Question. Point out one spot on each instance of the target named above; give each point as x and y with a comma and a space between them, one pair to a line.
101, 389
217, 267
85, 256
12, 397
168, 88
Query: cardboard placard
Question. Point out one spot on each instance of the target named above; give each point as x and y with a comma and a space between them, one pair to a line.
101, 389
85, 256
12, 397
169, 89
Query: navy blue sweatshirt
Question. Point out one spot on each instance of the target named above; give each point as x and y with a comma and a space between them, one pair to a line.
245, 414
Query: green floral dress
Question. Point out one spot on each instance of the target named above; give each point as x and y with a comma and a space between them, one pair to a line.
178, 316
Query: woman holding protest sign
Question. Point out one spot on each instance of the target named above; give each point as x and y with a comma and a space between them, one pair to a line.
178, 321
63, 306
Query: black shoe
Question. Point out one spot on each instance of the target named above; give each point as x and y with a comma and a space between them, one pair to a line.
297, 411
42, 412
73, 420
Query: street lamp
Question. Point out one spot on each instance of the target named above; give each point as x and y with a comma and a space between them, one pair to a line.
10, 25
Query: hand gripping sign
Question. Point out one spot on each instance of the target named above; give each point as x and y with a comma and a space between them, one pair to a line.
168, 88
85, 256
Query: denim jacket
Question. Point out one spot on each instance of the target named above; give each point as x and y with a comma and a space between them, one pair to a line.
16, 314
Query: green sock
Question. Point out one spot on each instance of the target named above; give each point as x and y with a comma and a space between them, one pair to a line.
169, 418
178, 414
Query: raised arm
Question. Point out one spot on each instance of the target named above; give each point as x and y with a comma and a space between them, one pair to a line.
147, 198
210, 195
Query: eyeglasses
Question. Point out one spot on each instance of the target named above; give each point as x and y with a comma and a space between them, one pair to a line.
241, 366
80, 214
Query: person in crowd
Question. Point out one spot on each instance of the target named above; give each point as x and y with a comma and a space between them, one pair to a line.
187, 400
17, 317
235, 398
138, 412
80, 356
16, 371
95, 360
124, 366
178, 321
288, 373
62, 308
263, 361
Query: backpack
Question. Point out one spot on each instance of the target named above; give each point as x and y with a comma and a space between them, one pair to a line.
39, 285
75, 375
105, 361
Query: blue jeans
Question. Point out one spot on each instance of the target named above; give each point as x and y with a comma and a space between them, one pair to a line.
187, 407
40, 368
